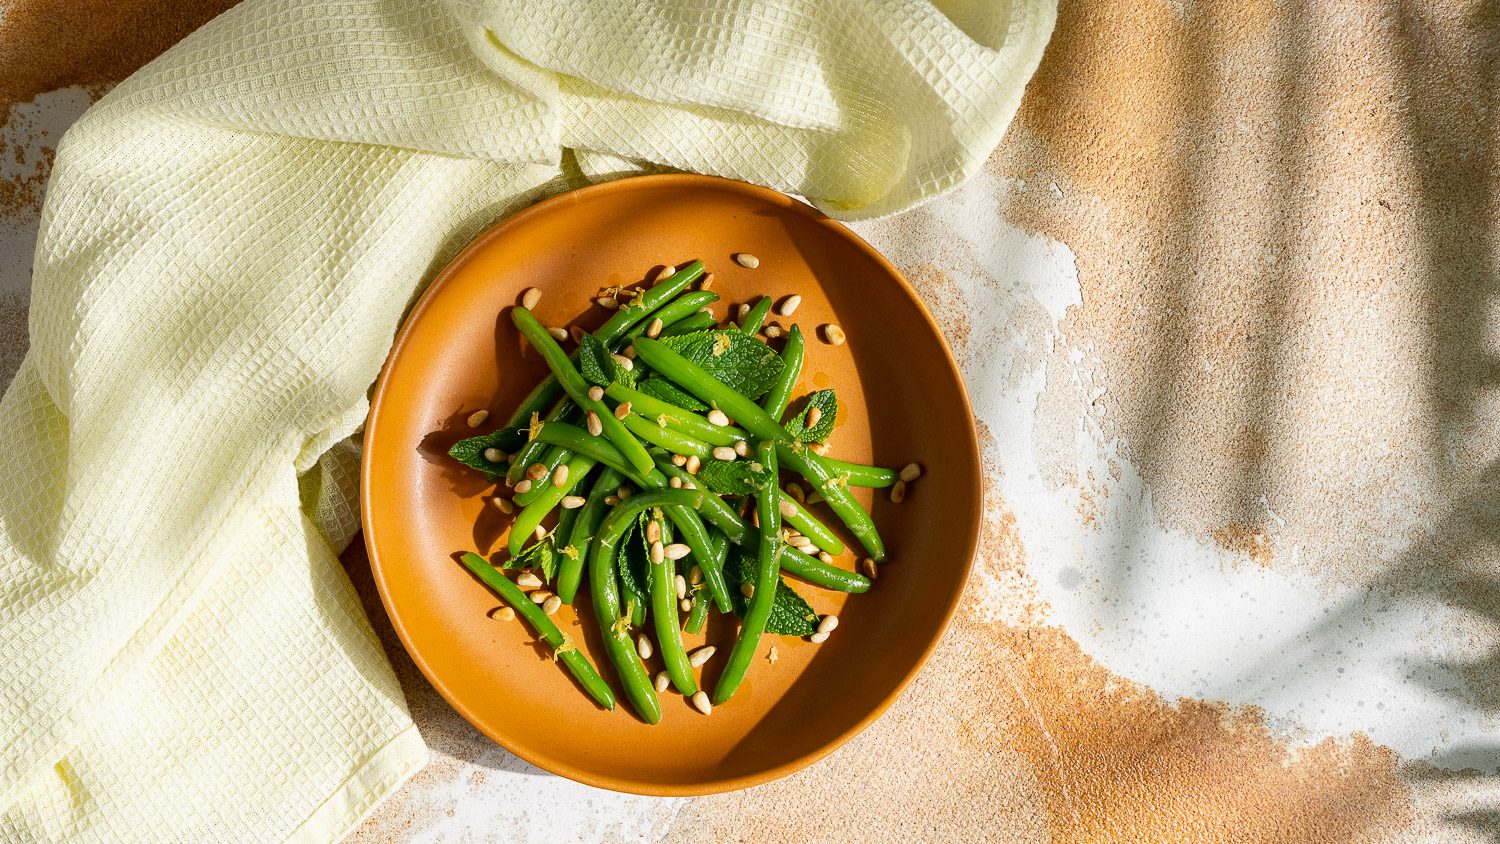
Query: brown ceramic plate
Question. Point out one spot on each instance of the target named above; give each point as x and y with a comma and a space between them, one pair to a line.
901, 399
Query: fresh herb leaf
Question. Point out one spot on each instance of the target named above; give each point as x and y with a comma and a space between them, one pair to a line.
470, 452
665, 390
828, 405
790, 614
744, 363
635, 564
734, 477
540, 556
599, 366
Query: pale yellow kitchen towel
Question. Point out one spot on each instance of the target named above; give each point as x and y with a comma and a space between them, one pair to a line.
229, 242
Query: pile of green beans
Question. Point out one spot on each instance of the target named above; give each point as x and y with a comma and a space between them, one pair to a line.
603, 477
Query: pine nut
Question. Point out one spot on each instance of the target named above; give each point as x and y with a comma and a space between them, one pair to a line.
609, 302
505, 614
560, 477
828, 624
654, 329
818, 638
611, 500
747, 589
773, 331
625, 363
789, 305
871, 571
741, 312
523, 487
622, 410
558, 334
814, 416
572, 502
833, 335
536, 471
657, 553
911, 472
724, 452
504, 505
681, 583
698, 656
540, 596
653, 531
695, 576
898, 492
494, 455
477, 418
674, 482
679, 460
551, 605
693, 464
595, 426
815, 497
746, 260
742, 448
527, 580
799, 542
795, 491
577, 334
539, 533
702, 703
706, 282
686, 604
755, 517
772, 655
643, 646
677, 551
662, 682
629, 353
624, 492
718, 417
529, 297
596, 392
825, 557
787, 508
820, 449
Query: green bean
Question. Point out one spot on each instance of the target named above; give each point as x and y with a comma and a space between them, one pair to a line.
553, 458
697, 539
862, 475
577, 388
527, 454
528, 519
675, 311
699, 613
577, 440
714, 509
605, 589
678, 418
700, 321
776, 401
802, 520
664, 616
796, 456
566, 518
562, 650
757, 315
819, 573
767, 576
659, 435
570, 571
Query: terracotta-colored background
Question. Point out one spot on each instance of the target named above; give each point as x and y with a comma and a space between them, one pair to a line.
1282, 223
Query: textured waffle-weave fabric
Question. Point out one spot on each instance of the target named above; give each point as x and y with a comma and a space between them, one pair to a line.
229, 242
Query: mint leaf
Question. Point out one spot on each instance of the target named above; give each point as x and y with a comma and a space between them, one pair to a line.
790, 615
540, 556
470, 452
668, 392
828, 405
744, 363
599, 366
734, 477
634, 564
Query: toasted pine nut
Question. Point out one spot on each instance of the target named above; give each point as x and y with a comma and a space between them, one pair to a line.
674, 482
706, 282
624, 492
911, 472
789, 305
818, 638
724, 452
505, 614
772, 655
820, 449
773, 331
523, 487
622, 410
662, 682
693, 464
795, 491
594, 425
828, 623
746, 260
747, 589
629, 353
504, 505
653, 531
558, 334
657, 553
572, 502
539, 596
871, 570
681, 583
536, 471
560, 477
527, 580
596, 392
825, 557
702, 703
494, 455
741, 312
654, 329
698, 656
643, 646
814, 416
529, 297
477, 418
833, 335
611, 500
625, 362
742, 448
677, 551
799, 542
539, 533
577, 334
718, 417
551, 605
695, 575
787, 508
755, 517
686, 604
609, 302
679, 460
898, 492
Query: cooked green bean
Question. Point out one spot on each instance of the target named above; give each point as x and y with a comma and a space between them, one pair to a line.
700, 321
780, 396
714, 509
859, 474
679, 419
527, 520
699, 613
796, 456
664, 621
577, 388
798, 517
551, 459
683, 306
819, 573
659, 435
767, 576
605, 588
579, 441
562, 411
697, 539
757, 315
566, 517
562, 650
570, 571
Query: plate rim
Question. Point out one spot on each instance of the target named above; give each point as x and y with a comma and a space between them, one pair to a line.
552, 764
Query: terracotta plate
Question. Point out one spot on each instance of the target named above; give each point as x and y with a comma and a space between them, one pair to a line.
901, 399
